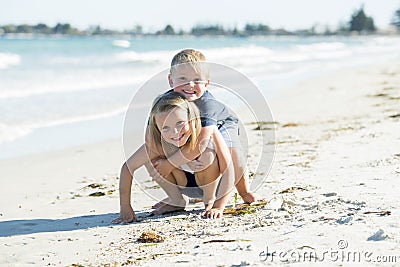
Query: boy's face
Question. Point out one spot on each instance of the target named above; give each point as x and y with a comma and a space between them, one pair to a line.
186, 81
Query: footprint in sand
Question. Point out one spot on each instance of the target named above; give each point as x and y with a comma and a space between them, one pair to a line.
378, 236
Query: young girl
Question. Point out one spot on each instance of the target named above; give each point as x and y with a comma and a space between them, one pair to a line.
174, 124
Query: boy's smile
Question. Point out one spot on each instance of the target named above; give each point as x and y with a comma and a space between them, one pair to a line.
186, 81
189, 89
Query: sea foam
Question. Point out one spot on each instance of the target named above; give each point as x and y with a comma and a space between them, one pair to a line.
8, 60
9, 133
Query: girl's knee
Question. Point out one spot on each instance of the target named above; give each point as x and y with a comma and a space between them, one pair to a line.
179, 176
209, 174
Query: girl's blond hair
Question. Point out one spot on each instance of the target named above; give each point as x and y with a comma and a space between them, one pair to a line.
166, 103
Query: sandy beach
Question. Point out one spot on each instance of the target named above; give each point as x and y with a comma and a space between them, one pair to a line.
332, 192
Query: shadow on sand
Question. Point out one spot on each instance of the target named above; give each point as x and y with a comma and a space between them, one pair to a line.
33, 226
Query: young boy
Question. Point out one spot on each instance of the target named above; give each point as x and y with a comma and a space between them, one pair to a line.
189, 76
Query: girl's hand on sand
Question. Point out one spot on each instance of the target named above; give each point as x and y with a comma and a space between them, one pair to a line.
212, 213
125, 216
163, 167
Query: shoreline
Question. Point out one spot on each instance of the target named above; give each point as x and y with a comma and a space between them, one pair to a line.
336, 150
27, 127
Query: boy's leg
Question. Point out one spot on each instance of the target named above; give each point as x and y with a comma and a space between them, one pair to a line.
241, 176
231, 137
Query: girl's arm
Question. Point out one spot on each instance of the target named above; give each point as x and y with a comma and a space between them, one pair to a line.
138, 159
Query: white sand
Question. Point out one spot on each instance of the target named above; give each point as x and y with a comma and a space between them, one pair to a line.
342, 153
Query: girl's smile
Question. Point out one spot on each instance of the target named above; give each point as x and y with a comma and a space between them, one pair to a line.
174, 126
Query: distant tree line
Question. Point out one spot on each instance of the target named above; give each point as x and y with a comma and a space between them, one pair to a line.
396, 19
359, 23
40, 29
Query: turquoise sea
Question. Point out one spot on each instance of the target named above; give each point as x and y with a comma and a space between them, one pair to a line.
57, 92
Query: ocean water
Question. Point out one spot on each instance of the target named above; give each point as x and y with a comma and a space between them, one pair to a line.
57, 92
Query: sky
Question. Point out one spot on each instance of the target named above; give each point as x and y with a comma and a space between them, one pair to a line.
156, 14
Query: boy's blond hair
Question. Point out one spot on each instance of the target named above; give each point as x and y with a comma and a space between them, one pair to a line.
193, 58
166, 103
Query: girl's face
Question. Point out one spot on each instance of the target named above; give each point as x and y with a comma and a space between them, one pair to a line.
174, 126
